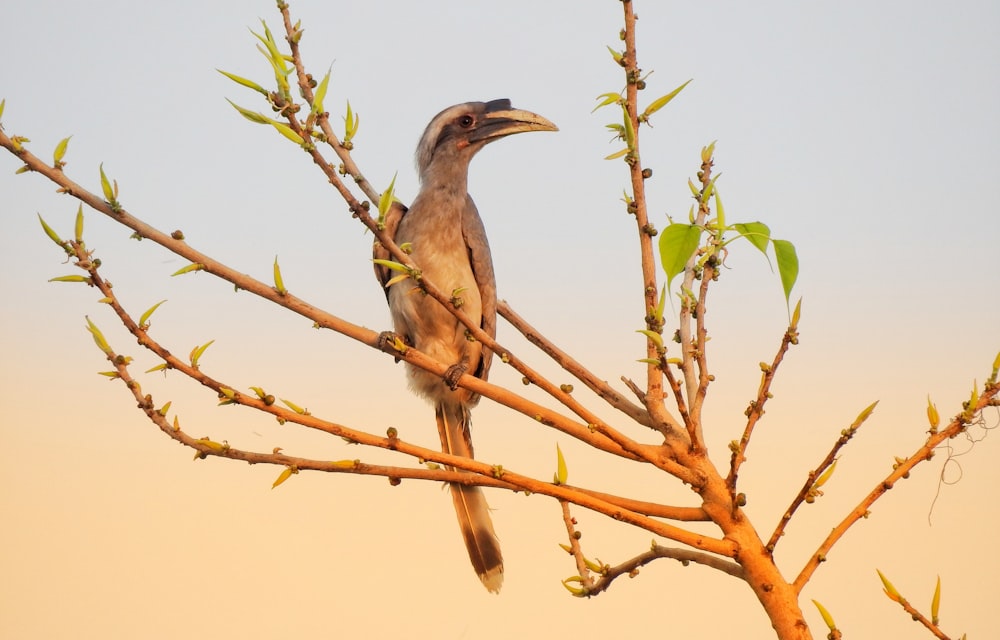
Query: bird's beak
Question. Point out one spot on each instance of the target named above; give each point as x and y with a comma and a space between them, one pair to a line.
504, 122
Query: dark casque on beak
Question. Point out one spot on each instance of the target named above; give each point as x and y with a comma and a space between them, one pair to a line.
502, 120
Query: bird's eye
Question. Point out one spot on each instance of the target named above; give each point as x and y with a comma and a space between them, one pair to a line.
466, 121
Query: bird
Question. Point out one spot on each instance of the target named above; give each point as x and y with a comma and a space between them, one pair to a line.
446, 240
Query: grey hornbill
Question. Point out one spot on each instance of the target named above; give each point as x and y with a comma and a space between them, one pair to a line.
446, 240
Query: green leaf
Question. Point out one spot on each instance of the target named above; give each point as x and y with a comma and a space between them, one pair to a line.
385, 200
60, 151
933, 417
194, 266
709, 189
393, 280
197, 352
617, 154
390, 264
678, 242
250, 84
3, 103
606, 99
662, 101
820, 481
279, 283
865, 413
561, 472
144, 318
109, 193
252, 116
275, 57
827, 618
320, 93
706, 152
629, 129
576, 591
102, 344
757, 233
788, 265
720, 211
350, 123
72, 278
287, 131
890, 590
294, 407
53, 236
285, 475
656, 338
661, 303
936, 601
78, 226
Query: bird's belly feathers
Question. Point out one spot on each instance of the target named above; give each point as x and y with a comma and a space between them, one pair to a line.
425, 323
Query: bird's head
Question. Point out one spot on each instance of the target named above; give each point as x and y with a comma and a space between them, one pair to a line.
457, 133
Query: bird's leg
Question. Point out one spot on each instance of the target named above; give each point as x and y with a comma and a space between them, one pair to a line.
455, 372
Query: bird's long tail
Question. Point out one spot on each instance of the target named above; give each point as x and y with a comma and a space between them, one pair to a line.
474, 520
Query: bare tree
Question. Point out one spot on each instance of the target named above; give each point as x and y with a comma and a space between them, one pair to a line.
660, 426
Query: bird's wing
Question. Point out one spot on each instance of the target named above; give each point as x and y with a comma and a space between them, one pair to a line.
482, 268
392, 219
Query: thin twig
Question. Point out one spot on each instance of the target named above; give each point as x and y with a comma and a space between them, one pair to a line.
929, 624
323, 119
756, 409
583, 572
807, 488
684, 556
701, 351
901, 470
690, 347
577, 370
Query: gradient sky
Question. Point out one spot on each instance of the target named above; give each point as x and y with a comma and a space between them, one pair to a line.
866, 133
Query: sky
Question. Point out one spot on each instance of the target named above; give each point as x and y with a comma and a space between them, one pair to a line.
865, 133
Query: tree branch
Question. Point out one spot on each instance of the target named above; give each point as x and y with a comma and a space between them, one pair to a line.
684, 556
809, 490
756, 409
577, 370
901, 470
208, 447
583, 571
629, 60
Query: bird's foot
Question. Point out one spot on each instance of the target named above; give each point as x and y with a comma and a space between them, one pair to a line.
391, 343
453, 373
